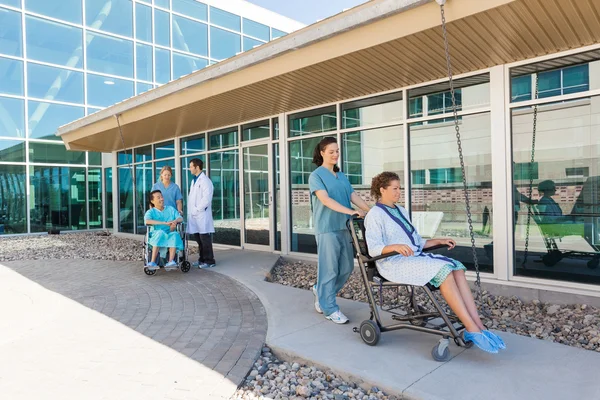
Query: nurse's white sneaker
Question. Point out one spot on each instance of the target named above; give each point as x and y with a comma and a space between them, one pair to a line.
338, 317
317, 305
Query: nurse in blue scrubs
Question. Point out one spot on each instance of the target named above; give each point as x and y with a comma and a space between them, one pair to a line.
331, 198
170, 191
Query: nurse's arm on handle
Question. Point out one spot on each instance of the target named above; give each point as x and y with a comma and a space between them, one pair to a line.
335, 206
359, 202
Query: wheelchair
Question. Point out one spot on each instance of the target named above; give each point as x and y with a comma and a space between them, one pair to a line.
181, 257
433, 319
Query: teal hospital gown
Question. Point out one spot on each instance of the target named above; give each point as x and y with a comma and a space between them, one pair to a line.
161, 235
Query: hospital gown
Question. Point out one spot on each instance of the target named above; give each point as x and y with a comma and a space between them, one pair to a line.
161, 235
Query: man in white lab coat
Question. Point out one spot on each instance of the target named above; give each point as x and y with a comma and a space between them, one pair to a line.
199, 212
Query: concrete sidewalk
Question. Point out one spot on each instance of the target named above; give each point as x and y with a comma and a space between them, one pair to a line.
401, 362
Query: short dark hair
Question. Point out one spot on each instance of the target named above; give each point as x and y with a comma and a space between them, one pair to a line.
151, 197
317, 157
383, 180
197, 162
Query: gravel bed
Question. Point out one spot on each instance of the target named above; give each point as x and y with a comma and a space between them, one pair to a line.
273, 379
574, 325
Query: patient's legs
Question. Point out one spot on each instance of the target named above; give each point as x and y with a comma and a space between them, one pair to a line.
452, 294
467, 297
171, 253
154, 253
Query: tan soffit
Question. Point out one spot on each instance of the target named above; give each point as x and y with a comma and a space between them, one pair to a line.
397, 50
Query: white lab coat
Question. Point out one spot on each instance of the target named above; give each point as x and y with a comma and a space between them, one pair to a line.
199, 206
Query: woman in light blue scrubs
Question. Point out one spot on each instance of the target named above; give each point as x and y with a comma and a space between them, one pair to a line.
170, 191
331, 195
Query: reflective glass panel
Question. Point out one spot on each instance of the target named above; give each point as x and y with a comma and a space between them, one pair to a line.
186, 177
143, 183
125, 187
110, 55
94, 158
67, 10
191, 8
142, 87
46, 118
164, 150
115, 16
185, 65
12, 117
223, 139
162, 3
224, 44
104, 91
256, 195
257, 130
249, 43
92, 110
13, 199
95, 197
193, 144
373, 111
225, 19
12, 151
108, 190
51, 83
162, 59
190, 36
11, 72
277, 197
313, 121
57, 198
141, 154
48, 153
54, 43
161, 28
14, 3
10, 33
143, 22
143, 62
224, 174
275, 123
276, 33
255, 29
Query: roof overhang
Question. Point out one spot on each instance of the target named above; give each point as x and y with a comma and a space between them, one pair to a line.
378, 46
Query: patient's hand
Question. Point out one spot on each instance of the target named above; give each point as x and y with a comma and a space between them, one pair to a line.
447, 242
403, 249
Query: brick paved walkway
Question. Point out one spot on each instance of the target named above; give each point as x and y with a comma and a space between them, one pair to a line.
58, 349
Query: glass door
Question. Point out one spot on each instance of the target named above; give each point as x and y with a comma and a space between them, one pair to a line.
257, 196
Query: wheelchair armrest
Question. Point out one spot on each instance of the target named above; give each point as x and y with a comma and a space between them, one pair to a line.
381, 257
436, 247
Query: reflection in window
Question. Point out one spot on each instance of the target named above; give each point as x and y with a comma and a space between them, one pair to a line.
108, 190
193, 144
556, 82
256, 195
275, 123
13, 211
256, 30
313, 121
165, 150
58, 198
124, 157
352, 157
11, 72
125, 187
276, 33
161, 28
46, 118
10, 33
190, 36
67, 10
105, 91
277, 197
143, 183
257, 130
162, 3
109, 55
185, 65
115, 16
143, 65
249, 43
12, 150
372, 111
223, 139
141, 154
94, 158
53, 42
143, 22
224, 174
12, 117
14, 3
191, 8
162, 60
43, 152
50, 83
142, 87
95, 197
224, 44
225, 19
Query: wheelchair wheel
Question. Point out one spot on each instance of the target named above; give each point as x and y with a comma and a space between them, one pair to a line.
149, 272
593, 263
552, 258
466, 345
419, 321
440, 351
370, 332
186, 266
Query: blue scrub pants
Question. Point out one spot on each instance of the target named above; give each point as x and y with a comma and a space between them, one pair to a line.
336, 262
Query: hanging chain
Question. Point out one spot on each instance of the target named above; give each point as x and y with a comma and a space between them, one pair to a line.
529, 202
130, 164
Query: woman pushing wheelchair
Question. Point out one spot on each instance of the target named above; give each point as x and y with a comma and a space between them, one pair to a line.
388, 229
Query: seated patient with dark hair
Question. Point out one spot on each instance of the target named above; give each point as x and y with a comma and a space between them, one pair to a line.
164, 236
388, 229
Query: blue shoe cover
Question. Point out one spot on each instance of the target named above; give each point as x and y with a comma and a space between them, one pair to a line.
152, 265
497, 340
481, 341
171, 264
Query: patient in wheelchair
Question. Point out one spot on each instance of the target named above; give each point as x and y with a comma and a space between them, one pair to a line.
388, 229
164, 234
551, 216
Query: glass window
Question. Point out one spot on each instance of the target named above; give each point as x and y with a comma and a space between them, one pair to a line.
193, 144
105, 91
94, 158
373, 111
143, 62
143, 22
522, 171
161, 28
437, 199
46, 118
165, 150
561, 240
224, 44
143, 184
576, 79
50, 83
115, 16
185, 65
94, 180
276, 33
40, 152
257, 130
125, 188
13, 199
67, 10
11, 72
186, 177
275, 123
124, 157
277, 197
223, 139
142, 87
224, 174
10, 33
54, 43
141, 154
108, 190
225, 19
12, 117
249, 43
12, 151
256, 194
190, 36
549, 84
313, 121
109, 55
520, 88
162, 60
255, 29
415, 107
162, 3
191, 8
92, 110
14, 3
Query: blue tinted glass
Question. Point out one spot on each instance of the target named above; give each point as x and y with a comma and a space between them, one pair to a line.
51, 83
10, 33
12, 117
225, 19
54, 43
161, 28
249, 44
143, 62
115, 16
520, 88
104, 91
45, 118
109, 55
256, 30
191, 8
162, 3
91, 110
223, 44
276, 33
576, 79
11, 73
184, 65
142, 87
12, 150
68, 10
162, 58
143, 22
190, 36
549, 83
164, 150
14, 3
